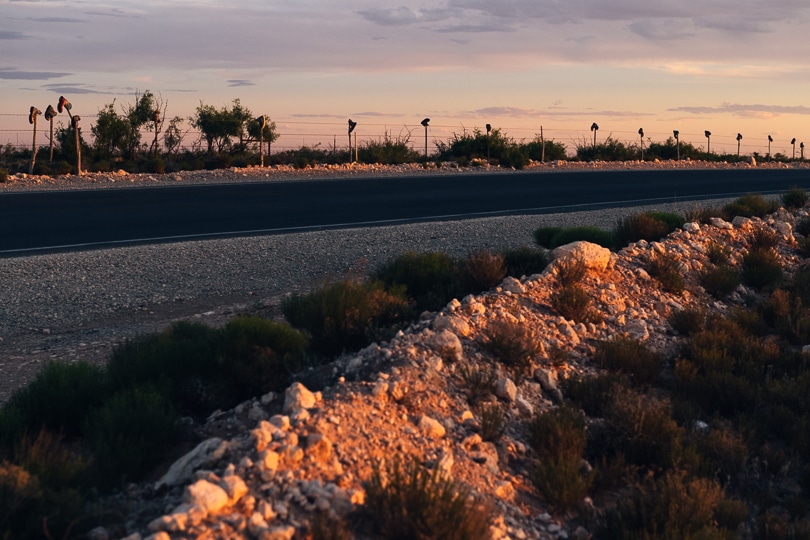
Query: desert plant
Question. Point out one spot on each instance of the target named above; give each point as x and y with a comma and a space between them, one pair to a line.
513, 344
3, 175
430, 279
524, 261
544, 235
482, 270
803, 226
750, 205
645, 226
345, 315
258, 355
559, 439
763, 238
720, 281
795, 197
59, 398
643, 429
672, 506
668, 270
718, 253
592, 393
630, 357
687, 321
570, 271
573, 303
405, 502
493, 422
761, 268
478, 382
130, 434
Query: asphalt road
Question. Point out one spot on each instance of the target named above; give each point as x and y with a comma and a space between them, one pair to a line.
32, 222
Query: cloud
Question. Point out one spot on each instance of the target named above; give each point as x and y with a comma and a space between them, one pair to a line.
55, 20
400, 16
71, 89
474, 28
10, 34
734, 25
14, 74
660, 30
236, 83
747, 111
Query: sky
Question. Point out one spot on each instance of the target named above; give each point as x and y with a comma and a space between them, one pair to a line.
727, 66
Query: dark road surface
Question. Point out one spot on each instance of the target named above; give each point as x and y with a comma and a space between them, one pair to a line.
58, 220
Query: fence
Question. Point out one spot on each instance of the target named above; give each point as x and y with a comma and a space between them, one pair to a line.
295, 134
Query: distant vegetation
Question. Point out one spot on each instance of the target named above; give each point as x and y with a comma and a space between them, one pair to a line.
140, 137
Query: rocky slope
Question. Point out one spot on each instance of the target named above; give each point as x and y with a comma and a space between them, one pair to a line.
266, 468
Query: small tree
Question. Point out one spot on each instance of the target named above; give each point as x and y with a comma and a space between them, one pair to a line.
218, 126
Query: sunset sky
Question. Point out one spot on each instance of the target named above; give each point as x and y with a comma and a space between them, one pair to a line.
692, 65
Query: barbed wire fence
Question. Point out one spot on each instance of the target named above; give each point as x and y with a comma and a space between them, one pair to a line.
294, 134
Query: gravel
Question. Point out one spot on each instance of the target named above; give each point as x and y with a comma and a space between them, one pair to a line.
79, 305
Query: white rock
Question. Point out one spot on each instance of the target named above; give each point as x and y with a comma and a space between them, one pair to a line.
720, 223
204, 454
297, 397
209, 497
691, 227
505, 389
447, 345
512, 285
431, 427
594, 256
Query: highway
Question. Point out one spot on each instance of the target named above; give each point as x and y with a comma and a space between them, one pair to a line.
35, 222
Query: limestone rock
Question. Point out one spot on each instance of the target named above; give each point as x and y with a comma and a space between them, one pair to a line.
209, 497
505, 389
447, 345
205, 453
594, 256
512, 285
431, 427
297, 396
457, 325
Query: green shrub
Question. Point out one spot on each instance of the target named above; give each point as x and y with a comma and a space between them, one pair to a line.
592, 393
544, 235
672, 506
513, 344
558, 437
182, 361
482, 270
259, 355
803, 226
3, 175
493, 422
347, 315
478, 382
594, 235
717, 253
409, 502
761, 268
524, 261
668, 270
59, 398
637, 227
750, 205
643, 429
130, 434
570, 271
573, 303
794, 198
630, 357
720, 281
687, 321
763, 238
672, 220
430, 279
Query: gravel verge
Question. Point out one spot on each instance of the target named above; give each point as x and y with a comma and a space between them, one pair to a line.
79, 305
